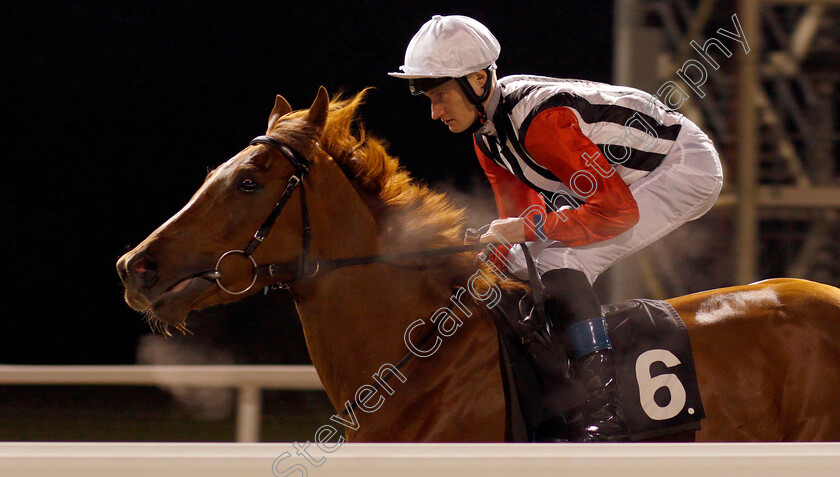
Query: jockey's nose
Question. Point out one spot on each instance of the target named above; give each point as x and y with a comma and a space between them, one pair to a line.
139, 271
437, 111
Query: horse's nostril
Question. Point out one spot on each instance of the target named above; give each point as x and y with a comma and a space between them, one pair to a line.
144, 269
144, 265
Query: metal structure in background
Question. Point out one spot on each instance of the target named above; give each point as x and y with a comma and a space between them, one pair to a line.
771, 111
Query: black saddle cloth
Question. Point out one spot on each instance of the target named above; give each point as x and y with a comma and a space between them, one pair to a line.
655, 366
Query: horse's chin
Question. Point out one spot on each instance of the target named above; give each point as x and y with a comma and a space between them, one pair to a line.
173, 306
137, 302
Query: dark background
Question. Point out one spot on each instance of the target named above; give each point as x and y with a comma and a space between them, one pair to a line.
113, 112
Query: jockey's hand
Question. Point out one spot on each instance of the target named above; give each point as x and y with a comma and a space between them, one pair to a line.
512, 230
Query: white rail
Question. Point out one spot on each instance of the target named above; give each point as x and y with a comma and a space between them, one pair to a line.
463, 460
248, 380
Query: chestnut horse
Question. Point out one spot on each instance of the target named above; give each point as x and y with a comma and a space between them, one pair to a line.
767, 355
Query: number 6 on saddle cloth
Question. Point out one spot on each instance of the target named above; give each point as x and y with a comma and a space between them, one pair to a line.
658, 386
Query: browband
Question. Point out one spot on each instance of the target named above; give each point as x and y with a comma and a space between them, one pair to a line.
300, 163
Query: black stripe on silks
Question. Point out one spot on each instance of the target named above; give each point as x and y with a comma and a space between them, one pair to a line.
517, 95
596, 113
639, 160
489, 146
481, 141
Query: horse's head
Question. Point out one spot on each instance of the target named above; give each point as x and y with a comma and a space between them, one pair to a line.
172, 271
358, 199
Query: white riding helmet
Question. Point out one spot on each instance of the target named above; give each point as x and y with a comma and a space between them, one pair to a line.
449, 47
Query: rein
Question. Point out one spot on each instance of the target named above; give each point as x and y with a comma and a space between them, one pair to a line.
321, 266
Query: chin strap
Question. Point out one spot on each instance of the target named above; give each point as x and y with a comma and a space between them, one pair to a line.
475, 99
474, 127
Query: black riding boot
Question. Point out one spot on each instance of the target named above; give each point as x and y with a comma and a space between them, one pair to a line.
570, 297
603, 420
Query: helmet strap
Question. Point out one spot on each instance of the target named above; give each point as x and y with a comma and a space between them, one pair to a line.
476, 100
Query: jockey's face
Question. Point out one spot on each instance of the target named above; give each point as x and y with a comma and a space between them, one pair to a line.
450, 104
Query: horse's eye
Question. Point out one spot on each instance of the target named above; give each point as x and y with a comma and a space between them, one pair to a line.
248, 185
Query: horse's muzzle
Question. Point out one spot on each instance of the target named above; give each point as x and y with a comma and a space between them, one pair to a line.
137, 271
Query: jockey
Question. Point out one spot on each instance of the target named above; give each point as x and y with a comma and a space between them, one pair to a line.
584, 173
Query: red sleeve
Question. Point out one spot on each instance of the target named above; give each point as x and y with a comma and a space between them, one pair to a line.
513, 197
554, 139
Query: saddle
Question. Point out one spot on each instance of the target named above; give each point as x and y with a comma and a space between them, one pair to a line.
655, 367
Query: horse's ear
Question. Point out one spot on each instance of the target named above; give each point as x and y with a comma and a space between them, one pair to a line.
320, 107
281, 108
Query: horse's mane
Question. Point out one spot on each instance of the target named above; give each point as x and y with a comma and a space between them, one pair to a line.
411, 216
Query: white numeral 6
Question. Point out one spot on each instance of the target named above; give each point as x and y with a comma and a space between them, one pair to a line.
649, 384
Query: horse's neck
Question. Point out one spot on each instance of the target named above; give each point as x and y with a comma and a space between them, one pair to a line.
355, 320
354, 317
356, 324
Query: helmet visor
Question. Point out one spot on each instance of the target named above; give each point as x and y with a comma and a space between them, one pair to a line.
418, 86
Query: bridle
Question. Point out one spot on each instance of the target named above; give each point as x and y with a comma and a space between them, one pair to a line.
304, 267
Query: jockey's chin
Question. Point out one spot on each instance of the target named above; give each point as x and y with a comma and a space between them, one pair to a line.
460, 124
456, 126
